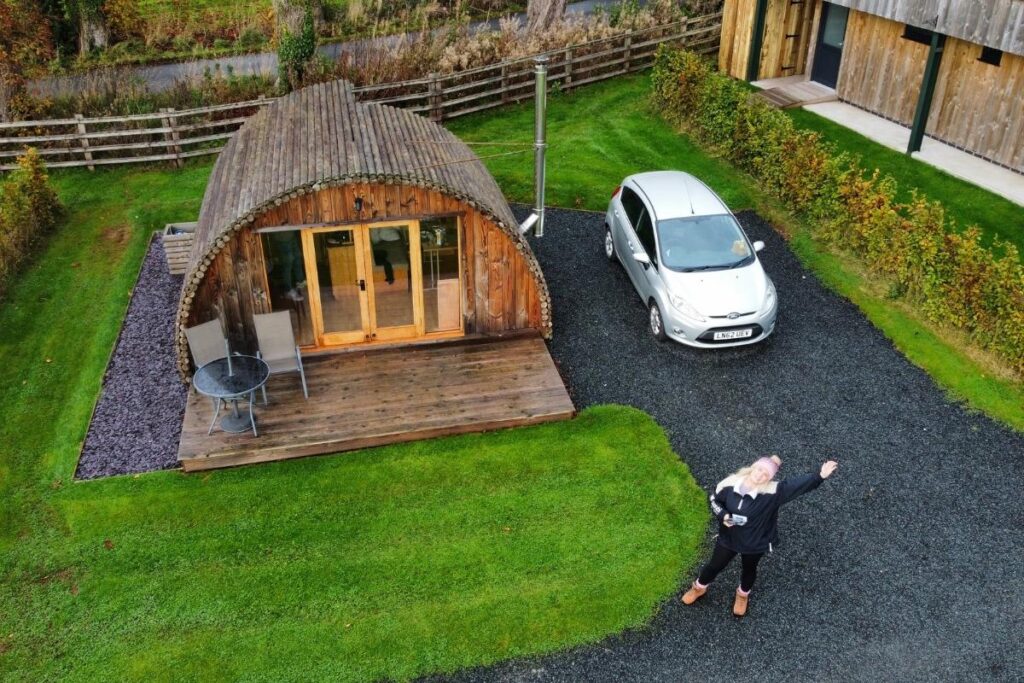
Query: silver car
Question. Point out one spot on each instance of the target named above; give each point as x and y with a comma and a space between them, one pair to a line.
690, 261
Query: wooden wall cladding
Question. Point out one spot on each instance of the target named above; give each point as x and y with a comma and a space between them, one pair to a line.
880, 70
734, 47
978, 106
787, 37
502, 291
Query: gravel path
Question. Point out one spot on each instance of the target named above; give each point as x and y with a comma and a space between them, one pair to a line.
906, 565
138, 418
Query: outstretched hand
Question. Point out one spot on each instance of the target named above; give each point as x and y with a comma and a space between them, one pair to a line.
828, 468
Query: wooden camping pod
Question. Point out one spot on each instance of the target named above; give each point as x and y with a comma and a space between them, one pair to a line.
303, 161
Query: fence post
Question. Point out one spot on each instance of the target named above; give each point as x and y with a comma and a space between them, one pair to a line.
436, 115
567, 55
504, 83
172, 136
84, 141
627, 47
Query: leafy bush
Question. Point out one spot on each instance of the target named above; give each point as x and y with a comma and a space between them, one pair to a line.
949, 273
29, 208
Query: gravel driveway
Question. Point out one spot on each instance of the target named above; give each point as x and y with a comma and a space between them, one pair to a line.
907, 565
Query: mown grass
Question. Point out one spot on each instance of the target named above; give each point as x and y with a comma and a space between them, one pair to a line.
388, 563
604, 132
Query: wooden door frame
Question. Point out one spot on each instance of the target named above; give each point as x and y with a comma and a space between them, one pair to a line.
402, 332
323, 338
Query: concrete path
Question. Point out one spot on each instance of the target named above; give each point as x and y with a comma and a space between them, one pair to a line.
904, 566
160, 77
976, 170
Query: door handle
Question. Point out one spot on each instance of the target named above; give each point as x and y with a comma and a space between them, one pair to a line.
362, 285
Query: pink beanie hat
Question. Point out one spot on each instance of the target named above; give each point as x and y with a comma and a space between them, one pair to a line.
768, 464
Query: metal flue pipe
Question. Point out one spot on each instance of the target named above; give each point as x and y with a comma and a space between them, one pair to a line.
540, 145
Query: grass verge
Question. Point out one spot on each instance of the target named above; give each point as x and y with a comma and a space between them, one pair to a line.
602, 133
390, 563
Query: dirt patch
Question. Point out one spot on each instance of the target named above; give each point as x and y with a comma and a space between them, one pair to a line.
61, 575
117, 235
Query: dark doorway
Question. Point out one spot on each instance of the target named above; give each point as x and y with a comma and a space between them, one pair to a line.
829, 52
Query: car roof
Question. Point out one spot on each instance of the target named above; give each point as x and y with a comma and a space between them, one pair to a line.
676, 194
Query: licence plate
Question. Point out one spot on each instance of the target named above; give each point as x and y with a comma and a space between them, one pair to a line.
733, 334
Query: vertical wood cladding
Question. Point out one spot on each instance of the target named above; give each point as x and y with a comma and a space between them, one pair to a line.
502, 293
980, 106
787, 37
880, 70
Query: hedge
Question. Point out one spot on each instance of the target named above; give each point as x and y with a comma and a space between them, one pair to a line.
29, 209
948, 273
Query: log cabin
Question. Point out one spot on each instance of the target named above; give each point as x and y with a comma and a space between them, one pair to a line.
404, 272
949, 69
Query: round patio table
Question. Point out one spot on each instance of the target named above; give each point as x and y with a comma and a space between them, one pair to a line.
230, 379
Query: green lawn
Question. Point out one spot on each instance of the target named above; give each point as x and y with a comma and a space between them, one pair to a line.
385, 563
604, 132
966, 204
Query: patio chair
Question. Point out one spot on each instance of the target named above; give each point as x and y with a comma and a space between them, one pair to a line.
207, 342
277, 346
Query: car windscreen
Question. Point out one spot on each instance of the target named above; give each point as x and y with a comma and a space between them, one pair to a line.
703, 243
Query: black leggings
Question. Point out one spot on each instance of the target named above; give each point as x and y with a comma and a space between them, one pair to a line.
721, 557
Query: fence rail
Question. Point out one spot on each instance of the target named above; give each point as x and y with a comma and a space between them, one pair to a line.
174, 135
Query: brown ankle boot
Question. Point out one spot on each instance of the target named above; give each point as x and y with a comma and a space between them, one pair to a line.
694, 594
739, 608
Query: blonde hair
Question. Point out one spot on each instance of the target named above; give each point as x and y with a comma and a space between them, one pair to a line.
741, 475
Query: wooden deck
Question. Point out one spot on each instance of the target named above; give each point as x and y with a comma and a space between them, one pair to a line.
360, 399
796, 94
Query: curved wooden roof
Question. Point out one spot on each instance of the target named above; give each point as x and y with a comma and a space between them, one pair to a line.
320, 136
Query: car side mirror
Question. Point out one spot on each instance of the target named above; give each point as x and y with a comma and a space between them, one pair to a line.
758, 245
642, 258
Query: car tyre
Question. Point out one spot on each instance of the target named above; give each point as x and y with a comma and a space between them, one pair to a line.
656, 321
609, 244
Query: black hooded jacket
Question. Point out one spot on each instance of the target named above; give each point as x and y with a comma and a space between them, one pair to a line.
756, 516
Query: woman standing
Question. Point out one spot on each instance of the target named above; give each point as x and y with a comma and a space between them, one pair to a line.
747, 504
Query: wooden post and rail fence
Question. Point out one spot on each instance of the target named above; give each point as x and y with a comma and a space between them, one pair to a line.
175, 135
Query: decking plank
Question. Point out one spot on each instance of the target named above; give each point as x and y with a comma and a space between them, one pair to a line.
363, 399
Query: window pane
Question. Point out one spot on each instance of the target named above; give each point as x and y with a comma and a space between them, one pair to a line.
338, 276
286, 276
442, 293
835, 26
632, 205
391, 275
645, 232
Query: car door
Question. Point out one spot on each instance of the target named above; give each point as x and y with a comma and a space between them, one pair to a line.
650, 276
632, 210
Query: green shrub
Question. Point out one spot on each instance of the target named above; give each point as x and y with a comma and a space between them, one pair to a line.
951, 275
29, 208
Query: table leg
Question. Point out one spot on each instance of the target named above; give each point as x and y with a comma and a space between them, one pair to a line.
216, 412
252, 418
235, 422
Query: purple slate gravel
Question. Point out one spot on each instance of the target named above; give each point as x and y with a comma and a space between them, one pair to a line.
137, 421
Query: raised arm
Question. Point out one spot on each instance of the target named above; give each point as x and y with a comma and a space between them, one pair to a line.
793, 487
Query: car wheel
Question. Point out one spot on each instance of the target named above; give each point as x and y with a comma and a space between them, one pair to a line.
609, 244
657, 323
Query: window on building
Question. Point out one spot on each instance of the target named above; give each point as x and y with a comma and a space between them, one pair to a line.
918, 35
990, 55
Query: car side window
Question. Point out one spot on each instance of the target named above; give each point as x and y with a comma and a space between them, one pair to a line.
633, 206
645, 231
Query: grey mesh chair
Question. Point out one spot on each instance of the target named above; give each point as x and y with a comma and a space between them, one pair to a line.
276, 340
207, 343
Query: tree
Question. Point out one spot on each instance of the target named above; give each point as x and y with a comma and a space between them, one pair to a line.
25, 43
543, 13
89, 22
296, 38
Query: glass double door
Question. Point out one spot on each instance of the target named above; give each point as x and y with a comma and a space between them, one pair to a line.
364, 282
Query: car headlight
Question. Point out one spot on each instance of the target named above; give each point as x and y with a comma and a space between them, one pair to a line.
681, 305
769, 295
